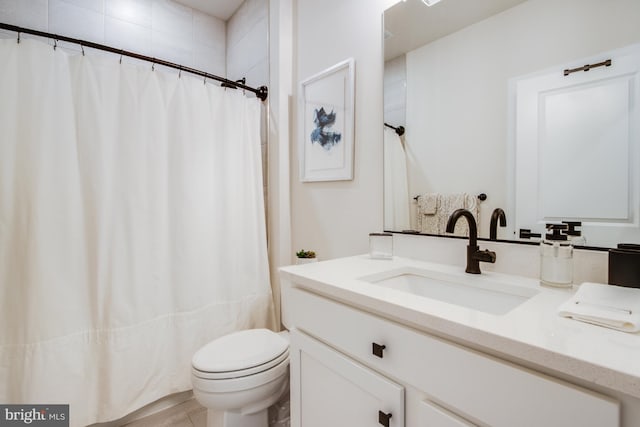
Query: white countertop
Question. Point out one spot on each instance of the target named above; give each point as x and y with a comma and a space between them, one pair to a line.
532, 332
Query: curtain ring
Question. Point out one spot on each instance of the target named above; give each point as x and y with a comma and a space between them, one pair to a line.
153, 67
121, 56
180, 72
82, 48
205, 80
18, 37
55, 44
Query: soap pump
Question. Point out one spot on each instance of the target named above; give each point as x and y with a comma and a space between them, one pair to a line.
556, 257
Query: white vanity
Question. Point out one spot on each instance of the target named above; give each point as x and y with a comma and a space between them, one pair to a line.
369, 347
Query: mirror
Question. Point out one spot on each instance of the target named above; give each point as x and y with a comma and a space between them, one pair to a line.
459, 77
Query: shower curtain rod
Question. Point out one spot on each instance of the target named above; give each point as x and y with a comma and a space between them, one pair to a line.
261, 92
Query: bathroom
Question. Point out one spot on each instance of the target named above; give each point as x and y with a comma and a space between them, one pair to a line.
305, 38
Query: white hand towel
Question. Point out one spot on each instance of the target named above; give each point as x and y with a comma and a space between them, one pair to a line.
610, 306
428, 203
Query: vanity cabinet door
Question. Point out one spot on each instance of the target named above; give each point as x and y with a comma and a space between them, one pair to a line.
330, 389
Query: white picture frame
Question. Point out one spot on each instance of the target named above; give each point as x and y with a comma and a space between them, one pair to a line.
327, 117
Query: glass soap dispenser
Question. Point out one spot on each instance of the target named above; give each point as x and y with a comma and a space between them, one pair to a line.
556, 257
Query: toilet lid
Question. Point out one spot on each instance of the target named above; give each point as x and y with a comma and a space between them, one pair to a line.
240, 351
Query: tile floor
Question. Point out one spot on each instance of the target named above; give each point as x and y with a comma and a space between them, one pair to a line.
187, 414
191, 414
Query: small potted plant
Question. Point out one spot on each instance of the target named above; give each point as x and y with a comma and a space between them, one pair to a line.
305, 257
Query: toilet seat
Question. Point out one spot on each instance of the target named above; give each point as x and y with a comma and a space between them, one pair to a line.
242, 372
240, 354
240, 384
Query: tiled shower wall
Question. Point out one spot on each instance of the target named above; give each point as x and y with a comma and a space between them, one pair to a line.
159, 28
248, 43
248, 56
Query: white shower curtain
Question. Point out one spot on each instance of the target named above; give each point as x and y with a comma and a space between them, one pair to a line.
396, 187
132, 228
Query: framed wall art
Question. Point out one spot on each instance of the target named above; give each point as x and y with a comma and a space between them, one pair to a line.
326, 117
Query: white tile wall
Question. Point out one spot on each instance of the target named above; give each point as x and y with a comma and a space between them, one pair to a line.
171, 48
133, 11
160, 28
208, 29
73, 20
95, 5
248, 56
29, 14
248, 43
209, 53
127, 35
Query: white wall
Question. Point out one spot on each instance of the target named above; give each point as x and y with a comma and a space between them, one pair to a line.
248, 44
280, 94
158, 28
457, 98
395, 91
335, 218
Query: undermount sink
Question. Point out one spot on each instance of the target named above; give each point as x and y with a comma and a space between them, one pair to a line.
470, 291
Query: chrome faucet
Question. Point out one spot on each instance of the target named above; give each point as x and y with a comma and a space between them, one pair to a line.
474, 254
498, 214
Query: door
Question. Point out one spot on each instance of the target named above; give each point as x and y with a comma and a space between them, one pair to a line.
329, 389
577, 149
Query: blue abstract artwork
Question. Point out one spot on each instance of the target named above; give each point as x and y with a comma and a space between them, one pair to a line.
322, 134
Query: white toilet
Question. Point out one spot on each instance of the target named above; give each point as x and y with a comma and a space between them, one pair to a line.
238, 376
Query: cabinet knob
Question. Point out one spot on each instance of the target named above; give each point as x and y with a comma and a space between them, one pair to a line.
378, 349
384, 418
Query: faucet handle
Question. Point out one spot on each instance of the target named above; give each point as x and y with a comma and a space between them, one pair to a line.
485, 256
525, 233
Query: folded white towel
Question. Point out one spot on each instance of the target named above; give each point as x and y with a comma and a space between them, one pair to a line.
426, 219
611, 306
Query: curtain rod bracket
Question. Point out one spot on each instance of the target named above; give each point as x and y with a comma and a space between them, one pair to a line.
263, 93
399, 130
